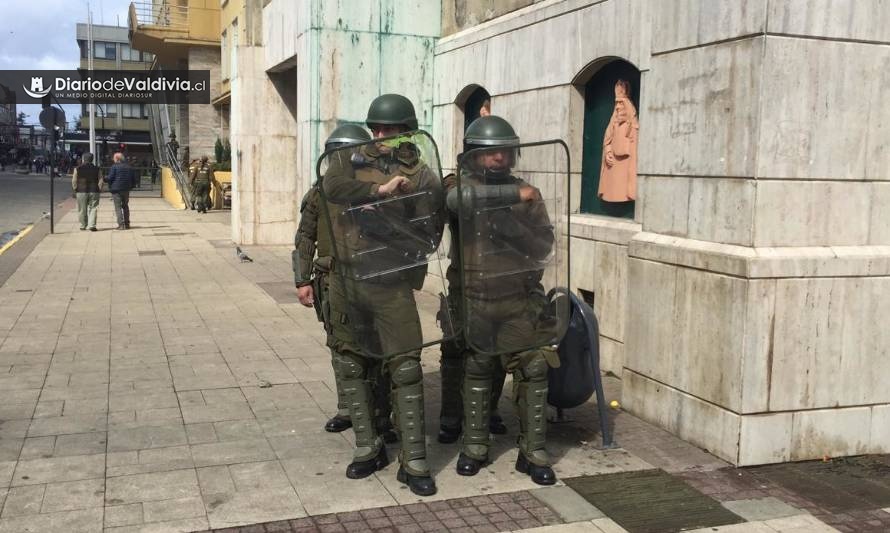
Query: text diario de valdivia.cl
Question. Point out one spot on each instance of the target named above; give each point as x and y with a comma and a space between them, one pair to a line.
128, 84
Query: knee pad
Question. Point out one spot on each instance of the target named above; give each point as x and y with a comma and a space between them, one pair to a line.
534, 366
405, 371
478, 365
348, 366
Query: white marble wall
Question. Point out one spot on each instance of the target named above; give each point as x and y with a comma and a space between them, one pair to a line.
264, 139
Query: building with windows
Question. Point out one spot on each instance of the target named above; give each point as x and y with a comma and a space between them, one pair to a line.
120, 126
737, 290
182, 35
8, 117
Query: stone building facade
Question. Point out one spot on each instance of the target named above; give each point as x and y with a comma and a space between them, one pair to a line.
740, 297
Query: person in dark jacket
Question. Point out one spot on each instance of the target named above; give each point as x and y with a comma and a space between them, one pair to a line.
120, 181
86, 184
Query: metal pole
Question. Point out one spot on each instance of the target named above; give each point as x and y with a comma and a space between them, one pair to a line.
52, 175
90, 53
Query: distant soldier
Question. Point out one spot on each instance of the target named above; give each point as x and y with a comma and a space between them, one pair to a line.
201, 179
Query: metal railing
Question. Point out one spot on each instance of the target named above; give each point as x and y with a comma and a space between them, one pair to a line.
162, 13
182, 183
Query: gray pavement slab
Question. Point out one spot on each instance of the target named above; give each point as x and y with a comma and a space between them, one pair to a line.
567, 503
761, 508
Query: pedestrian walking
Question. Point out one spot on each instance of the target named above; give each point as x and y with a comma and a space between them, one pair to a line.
120, 181
86, 182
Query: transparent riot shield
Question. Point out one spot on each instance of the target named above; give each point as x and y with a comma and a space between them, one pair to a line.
387, 279
512, 205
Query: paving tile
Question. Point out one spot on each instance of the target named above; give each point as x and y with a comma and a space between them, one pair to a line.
232, 452
567, 503
238, 430
73, 495
62, 425
80, 444
149, 461
200, 433
123, 515
137, 400
80, 521
21, 501
59, 469
215, 479
14, 429
213, 413
91, 406
760, 509
178, 509
173, 526
151, 487
316, 481
140, 438
258, 476
10, 449
241, 508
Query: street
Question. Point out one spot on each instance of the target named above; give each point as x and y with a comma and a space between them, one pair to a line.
24, 198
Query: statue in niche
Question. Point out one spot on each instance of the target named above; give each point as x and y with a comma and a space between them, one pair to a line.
618, 173
485, 110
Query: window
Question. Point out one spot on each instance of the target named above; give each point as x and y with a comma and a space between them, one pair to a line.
224, 47
104, 50
148, 57
84, 49
111, 110
129, 54
132, 110
234, 48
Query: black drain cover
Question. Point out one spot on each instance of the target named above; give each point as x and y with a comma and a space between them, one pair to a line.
651, 501
152, 252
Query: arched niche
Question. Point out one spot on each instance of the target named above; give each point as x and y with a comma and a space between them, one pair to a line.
596, 82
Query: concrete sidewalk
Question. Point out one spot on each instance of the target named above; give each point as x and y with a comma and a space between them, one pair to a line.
152, 382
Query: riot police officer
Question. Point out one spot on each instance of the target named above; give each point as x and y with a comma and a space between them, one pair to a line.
311, 272
374, 196
505, 237
201, 178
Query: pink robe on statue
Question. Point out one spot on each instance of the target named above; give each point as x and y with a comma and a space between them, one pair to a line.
618, 183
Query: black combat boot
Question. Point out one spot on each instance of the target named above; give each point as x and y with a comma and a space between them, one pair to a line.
420, 485
542, 475
496, 425
338, 423
467, 466
449, 434
360, 469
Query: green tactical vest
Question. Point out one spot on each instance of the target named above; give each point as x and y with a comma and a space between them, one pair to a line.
203, 175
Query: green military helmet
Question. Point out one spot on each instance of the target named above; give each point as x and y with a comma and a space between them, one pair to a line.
392, 109
346, 134
490, 131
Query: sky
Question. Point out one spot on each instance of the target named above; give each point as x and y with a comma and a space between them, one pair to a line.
40, 34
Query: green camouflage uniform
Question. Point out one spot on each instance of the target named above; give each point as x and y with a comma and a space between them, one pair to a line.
314, 237
382, 305
505, 311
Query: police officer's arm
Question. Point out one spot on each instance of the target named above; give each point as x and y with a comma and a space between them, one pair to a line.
340, 185
305, 239
526, 226
430, 205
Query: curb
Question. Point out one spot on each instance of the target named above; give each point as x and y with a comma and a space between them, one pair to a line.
17, 238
